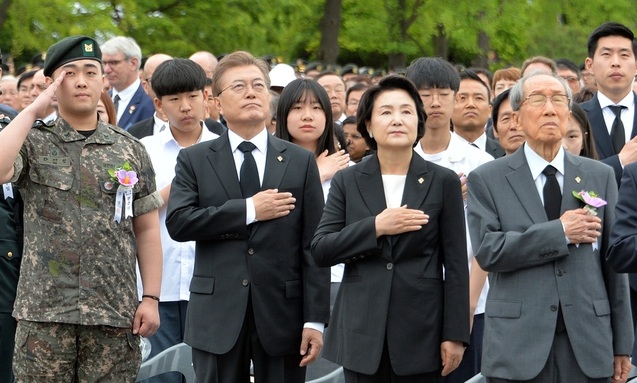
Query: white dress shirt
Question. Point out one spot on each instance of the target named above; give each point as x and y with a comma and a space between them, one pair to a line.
125, 96
480, 142
627, 114
178, 257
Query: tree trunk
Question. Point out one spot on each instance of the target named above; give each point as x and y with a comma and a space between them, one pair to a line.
440, 43
4, 9
482, 60
330, 27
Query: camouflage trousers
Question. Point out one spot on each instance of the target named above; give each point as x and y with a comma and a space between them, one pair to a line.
68, 353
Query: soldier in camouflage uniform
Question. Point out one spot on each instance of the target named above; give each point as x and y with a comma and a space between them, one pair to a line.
77, 308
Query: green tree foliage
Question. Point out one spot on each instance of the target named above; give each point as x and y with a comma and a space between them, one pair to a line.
375, 32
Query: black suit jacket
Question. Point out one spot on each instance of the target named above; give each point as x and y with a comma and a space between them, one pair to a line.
145, 128
603, 142
393, 287
493, 148
268, 262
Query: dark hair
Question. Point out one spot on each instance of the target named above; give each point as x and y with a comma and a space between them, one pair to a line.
468, 74
588, 149
354, 88
433, 72
496, 106
483, 71
339, 135
610, 29
178, 76
26, 76
567, 64
295, 92
349, 120
366, 105
585, 93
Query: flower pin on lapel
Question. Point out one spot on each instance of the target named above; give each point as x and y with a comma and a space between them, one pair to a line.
578, 179
131, 110
421, 180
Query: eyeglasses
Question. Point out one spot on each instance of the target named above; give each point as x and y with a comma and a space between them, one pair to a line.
355, 136
148, 80
241, 87
113, 63
538, 100
571, 79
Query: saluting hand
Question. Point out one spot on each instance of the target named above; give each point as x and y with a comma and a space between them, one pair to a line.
41, 103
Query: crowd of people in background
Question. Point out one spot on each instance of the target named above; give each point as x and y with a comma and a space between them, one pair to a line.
422, 225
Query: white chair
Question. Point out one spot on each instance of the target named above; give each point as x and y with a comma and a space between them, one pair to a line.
177, 358
477, 379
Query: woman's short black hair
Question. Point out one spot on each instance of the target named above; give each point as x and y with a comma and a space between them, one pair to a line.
366, 106
295, 92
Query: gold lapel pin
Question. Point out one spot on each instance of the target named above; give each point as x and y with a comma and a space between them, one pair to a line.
280, 158
578, 179
421, 180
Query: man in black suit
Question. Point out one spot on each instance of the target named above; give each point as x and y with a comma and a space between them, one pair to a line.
472, 111
252, 203
611, 59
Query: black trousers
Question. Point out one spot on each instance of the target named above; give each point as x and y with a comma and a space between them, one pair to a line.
234, 366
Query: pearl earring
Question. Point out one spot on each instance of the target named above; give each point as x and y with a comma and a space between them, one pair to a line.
371, 135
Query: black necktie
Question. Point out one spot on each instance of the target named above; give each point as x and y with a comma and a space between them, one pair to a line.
249, 174
474, 145
116, 102
617, 134
552, 194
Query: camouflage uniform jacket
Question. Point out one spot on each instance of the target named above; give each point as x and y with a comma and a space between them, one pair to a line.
78, 264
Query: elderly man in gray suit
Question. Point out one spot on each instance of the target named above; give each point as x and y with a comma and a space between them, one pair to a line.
555, 312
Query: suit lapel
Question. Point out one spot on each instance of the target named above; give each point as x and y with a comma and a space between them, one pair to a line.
369, 180
521, 181
575, 178
276, 163
600, 132
417, 184
222, 163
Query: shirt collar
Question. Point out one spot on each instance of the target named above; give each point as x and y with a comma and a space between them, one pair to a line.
166, 136
260, 140
537, 163
127, 93
626, 101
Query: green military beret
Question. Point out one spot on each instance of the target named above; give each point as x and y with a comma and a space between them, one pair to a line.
71, 49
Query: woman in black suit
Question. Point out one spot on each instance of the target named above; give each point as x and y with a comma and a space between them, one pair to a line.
395, 220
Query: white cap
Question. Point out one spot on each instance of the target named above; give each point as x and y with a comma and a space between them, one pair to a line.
281, 75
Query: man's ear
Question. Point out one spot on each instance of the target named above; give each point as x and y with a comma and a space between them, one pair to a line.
217, 102
158, 106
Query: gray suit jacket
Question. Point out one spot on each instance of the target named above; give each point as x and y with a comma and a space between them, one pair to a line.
532, 270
